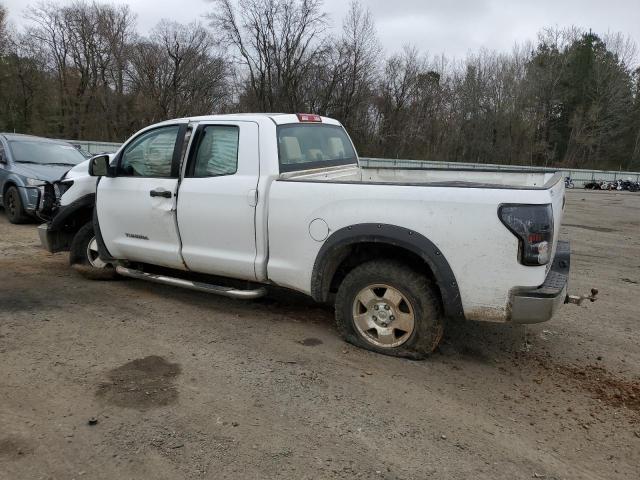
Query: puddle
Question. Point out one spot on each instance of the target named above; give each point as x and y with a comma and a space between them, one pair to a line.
13, 448
602, 384
141, 384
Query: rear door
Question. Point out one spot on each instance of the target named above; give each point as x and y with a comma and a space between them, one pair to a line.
136, 209
217, 200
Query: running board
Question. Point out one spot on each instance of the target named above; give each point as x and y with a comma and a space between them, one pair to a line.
198, 286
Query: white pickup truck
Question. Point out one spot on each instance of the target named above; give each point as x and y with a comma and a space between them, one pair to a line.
229, 204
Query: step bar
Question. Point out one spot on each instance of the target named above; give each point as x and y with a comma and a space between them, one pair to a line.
191, 285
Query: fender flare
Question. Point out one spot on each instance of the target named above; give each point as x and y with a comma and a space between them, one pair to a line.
9, 182
14, 181
65, 212
333, 252
102, 248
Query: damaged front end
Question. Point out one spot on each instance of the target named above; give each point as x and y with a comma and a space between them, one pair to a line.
49, 197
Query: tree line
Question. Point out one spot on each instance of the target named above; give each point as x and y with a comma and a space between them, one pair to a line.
81, 70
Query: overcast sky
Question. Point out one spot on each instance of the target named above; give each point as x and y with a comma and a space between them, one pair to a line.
453, 27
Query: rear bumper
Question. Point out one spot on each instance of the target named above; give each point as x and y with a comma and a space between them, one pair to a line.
535, 305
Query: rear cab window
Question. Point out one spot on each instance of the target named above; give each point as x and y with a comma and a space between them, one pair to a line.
303, 146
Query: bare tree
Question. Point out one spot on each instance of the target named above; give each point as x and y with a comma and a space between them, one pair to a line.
277, 42
3, 28
85, 45
178, 73
79, 69
355, 70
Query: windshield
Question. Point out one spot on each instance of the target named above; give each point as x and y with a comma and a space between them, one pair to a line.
45, 153
313, 145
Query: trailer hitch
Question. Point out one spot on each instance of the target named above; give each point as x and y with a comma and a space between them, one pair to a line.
578, 299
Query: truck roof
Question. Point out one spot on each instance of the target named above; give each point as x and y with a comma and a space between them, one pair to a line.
277, 118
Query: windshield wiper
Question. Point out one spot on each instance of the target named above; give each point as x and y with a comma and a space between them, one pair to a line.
41, 163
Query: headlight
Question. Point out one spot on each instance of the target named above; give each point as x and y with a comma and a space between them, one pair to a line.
34, 182
62, 187
533, 226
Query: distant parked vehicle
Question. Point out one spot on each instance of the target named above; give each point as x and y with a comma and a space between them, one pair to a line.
27, 162
568, 183
630, 185
627, 184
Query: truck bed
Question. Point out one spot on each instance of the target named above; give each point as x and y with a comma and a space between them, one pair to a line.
434, 177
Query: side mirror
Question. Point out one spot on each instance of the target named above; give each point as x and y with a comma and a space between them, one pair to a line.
99, 166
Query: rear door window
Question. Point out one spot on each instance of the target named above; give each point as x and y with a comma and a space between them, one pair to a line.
217, 151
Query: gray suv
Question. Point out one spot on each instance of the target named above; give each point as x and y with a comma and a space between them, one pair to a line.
26, 162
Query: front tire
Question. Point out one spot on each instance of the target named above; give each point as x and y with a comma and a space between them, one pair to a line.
84, 257
13, 206
389, 308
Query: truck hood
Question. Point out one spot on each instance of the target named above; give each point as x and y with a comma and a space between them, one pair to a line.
49, 173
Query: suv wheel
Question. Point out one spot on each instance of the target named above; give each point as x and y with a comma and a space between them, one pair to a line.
84, 257
389, 308
13, 206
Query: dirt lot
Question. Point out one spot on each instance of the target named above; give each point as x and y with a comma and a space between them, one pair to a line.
186, 385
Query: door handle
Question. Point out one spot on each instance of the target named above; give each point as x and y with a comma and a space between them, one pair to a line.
160, 193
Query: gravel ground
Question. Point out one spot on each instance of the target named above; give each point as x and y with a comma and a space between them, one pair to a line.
132, 380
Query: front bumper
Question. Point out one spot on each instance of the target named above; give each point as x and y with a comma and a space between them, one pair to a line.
30, 198
535, 305
54, 239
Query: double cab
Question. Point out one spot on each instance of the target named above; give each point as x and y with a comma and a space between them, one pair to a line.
231, 204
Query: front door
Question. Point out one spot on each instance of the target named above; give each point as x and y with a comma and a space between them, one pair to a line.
217, 200
136, 208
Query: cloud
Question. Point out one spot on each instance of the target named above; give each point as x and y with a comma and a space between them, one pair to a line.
453, 27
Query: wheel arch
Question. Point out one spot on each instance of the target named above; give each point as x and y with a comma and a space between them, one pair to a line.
386, 240
10, 182
67, 221
73, 216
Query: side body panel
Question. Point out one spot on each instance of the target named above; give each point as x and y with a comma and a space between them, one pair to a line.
137, 221
216, 214
136, 226
461, 222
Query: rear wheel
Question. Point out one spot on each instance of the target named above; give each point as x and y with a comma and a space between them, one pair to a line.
84, 257
13, 206
387, 307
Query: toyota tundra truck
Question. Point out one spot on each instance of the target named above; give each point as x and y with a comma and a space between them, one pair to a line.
232, 204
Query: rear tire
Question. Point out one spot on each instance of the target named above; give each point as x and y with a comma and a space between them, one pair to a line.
83, 256
389, 308
14, 208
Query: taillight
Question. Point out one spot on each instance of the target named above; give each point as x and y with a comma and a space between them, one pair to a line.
309, 117
533, 226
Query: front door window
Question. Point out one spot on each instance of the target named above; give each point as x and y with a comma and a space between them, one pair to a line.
151, 154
